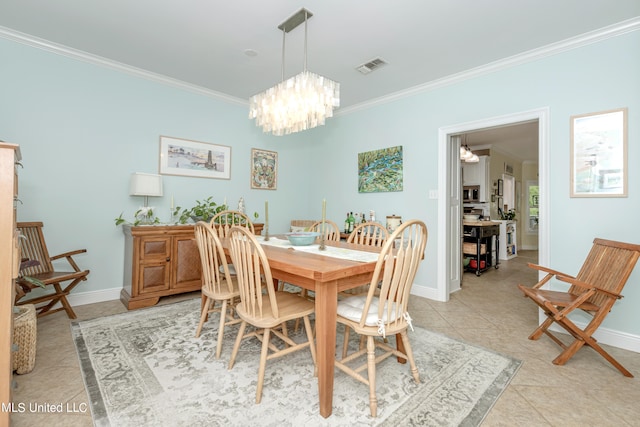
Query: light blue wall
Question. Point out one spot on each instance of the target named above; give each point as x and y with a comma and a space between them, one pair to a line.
593, 78
83, 129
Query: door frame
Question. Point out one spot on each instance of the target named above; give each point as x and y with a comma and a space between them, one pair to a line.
446, 226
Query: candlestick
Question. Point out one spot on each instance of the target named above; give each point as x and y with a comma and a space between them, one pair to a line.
266, 220
172, 202
323, 230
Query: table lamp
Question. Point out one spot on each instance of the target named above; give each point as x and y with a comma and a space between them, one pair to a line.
145, 184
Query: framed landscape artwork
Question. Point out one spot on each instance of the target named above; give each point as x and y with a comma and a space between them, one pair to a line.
599, 154
380, 170
264, 169
193, 158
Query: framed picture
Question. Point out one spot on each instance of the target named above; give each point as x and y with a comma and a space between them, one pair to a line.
500, 187
599, 154
193, 158
264, 169
380, 170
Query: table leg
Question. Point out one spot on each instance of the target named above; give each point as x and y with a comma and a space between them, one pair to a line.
326, 306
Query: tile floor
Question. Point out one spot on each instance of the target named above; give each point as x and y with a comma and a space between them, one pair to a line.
488, 311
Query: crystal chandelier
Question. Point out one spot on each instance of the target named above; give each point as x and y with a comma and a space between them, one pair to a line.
301, 102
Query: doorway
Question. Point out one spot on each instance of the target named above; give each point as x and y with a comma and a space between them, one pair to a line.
449, 273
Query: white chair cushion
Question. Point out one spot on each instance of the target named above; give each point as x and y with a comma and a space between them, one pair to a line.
351, 308
232, 269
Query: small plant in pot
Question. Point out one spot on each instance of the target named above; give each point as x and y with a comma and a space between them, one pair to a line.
202, 211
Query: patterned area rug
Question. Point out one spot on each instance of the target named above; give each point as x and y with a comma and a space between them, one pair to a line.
145, 368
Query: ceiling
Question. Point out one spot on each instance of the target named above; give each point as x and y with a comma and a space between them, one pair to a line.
204, 43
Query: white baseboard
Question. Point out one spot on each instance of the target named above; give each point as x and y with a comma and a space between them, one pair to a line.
610, 337
607, 336
91, 297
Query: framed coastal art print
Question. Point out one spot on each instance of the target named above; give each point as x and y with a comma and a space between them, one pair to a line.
380, 170
599, 154
264, 169
193, 158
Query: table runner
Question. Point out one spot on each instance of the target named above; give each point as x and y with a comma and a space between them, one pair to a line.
330, 251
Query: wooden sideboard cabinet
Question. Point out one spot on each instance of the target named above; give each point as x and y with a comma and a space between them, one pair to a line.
9, 268
160, 260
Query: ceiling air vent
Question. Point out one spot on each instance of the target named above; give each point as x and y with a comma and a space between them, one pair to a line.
368, 67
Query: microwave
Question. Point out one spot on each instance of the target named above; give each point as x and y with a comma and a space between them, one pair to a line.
471, 193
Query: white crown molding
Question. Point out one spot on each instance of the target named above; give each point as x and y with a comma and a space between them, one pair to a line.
591, 37
59, 49
529, 56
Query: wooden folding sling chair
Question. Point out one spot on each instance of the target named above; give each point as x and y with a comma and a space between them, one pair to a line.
33, 248
594, 291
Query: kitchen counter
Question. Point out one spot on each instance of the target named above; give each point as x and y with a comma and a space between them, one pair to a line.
479, 223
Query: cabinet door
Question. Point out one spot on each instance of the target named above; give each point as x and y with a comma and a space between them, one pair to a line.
154, 272
185, 259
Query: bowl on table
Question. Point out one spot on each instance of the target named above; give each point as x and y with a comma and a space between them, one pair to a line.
302, 238
469, 217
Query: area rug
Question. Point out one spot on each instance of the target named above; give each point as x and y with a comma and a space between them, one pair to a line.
146, 368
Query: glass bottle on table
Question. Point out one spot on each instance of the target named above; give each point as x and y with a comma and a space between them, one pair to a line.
346, 224
352, 222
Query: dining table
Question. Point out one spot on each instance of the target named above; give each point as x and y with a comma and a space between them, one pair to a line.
339, 267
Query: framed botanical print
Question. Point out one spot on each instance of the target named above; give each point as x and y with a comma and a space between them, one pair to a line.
599, 154
264, 169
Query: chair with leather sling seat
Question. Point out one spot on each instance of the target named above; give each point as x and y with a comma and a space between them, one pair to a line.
594, 291
218, 285
34, 248
383, 311
262, 306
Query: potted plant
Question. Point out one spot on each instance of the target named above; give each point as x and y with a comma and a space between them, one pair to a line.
142, 216
202, 211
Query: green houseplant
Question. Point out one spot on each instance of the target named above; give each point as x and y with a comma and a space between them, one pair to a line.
203, 210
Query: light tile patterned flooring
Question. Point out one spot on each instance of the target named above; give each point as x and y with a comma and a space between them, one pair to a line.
489, 311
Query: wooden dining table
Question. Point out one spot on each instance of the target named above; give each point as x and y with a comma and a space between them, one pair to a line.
325, 276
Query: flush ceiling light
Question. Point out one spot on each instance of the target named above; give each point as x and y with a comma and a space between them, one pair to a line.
303, 101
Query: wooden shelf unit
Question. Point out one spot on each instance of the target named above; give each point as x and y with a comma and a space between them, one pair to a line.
9, 268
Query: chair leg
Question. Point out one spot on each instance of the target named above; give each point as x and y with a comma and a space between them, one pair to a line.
223, 320
203, 317
409, 352
312, 347
236, 346
541, 329
345, 346
263, 363
371, 371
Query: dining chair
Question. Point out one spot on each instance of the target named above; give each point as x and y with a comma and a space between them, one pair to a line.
593, 291
301, 224
331, 230
218, 285
224, 220
370, 234
266, 311
41, 270
383, 313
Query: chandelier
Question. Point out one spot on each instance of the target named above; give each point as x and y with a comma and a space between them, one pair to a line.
299, 103
466, 155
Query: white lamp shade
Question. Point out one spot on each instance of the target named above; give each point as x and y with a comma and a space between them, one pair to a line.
145, 184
